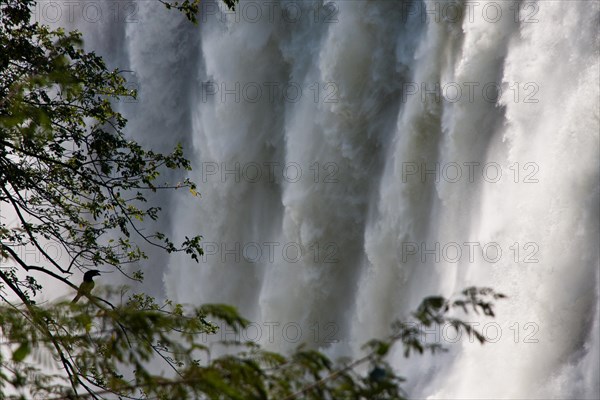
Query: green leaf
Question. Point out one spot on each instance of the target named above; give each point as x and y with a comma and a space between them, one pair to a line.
22, 352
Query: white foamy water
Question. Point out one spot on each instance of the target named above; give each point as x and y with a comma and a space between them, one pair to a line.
344, 151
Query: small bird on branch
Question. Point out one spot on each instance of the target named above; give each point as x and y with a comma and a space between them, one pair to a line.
85, 289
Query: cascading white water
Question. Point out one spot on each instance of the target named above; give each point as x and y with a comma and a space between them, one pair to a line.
506, 159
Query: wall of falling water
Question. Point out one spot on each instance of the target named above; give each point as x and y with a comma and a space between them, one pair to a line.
405, 149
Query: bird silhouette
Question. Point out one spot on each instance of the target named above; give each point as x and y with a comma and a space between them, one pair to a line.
87, 285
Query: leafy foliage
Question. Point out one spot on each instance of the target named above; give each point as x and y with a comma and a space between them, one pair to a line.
69, 173
105, 350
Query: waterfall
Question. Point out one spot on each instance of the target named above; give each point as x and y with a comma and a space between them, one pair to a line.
354, 157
